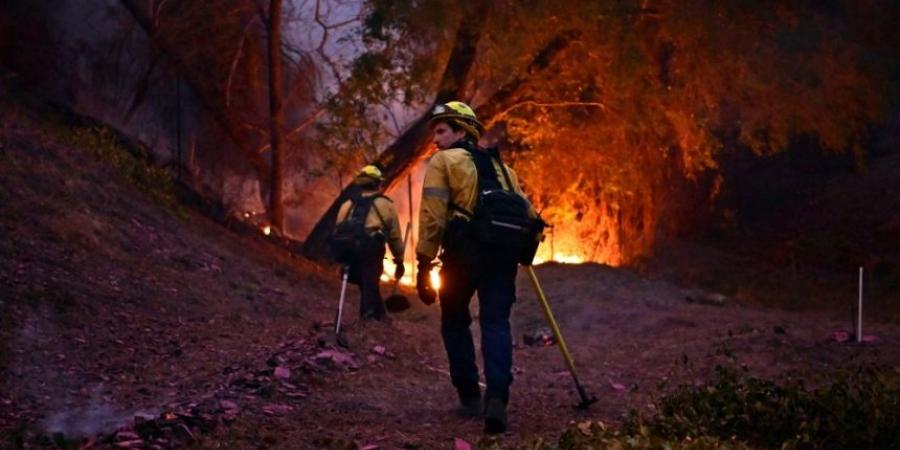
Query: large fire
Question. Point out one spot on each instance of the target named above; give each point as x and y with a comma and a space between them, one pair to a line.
543, 256
569, 241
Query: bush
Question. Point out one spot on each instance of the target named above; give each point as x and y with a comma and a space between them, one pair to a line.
132, 163
858, 408
596, 435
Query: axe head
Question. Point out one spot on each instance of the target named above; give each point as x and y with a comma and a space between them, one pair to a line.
586, 402
396, 303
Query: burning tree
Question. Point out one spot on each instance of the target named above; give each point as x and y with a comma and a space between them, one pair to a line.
624, 129
616, 114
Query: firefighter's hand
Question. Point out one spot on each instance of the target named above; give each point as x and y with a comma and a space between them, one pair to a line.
423, 282
400, 269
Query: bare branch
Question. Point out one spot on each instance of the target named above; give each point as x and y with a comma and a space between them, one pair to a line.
300, 127
563, 104
326, 31
197, 83
234, 62
397, 128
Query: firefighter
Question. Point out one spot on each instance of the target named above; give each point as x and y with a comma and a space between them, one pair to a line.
378, 224
449, 195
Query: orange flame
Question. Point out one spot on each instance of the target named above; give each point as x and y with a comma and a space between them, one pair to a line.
435, 278
387, 275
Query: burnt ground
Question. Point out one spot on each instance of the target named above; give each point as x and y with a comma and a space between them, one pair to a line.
125, 324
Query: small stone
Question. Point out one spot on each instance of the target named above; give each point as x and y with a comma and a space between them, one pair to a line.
461, 444
127, 435
282, 372
228, 405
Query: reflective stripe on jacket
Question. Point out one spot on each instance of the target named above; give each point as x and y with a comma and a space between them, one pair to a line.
382, 217
451, 176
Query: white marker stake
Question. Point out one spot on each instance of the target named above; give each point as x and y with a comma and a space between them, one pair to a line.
859, 308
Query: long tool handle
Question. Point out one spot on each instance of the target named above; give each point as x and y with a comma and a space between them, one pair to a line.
340, 311
409, 197
563, 348
405, 240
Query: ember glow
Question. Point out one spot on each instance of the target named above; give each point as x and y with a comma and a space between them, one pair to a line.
435, 278
562, 258
408, 280
388, 275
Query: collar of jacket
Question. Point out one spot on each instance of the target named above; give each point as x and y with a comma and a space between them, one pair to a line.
468, 144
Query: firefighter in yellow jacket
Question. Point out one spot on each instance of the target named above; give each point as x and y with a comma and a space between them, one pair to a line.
453, 179
378, 224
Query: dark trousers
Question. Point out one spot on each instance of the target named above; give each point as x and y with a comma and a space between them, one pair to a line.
495, 281
366, 272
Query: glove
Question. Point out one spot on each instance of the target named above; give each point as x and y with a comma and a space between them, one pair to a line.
423, 282
400, 269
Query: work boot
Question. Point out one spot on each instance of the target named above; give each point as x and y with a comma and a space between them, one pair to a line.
494, 416
470, 407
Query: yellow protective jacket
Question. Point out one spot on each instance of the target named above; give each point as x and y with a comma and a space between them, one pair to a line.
451, 176
382, 217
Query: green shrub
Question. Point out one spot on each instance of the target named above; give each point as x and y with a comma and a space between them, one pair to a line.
133, 164
857, 408
592, 435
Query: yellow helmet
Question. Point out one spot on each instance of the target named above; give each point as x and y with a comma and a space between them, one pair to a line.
460, 113
369, 175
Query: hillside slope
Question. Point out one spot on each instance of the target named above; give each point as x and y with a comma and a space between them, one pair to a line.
127, 320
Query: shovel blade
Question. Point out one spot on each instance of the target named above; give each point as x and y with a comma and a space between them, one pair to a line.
341, 340
396, 303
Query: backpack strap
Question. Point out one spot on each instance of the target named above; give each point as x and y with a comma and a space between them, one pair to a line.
485, 173
495, 154
460, 209
377, 213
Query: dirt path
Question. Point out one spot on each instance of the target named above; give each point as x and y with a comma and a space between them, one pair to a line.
626, 333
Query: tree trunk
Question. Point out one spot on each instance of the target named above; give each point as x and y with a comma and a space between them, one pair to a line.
196, 82
276, 206
401, 155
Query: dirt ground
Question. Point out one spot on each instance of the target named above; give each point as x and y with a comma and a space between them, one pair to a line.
123, 325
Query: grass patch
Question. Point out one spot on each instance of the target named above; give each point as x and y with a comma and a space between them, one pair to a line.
131, 162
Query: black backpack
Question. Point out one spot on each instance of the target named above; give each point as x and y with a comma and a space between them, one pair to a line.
351, 241
501, 221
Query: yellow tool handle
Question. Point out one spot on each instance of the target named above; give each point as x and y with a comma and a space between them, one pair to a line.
553, 325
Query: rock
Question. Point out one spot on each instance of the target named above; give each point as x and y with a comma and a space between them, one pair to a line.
370, 447
337, 358
840, 336
229, 407
461, 444
538, 338
282, 372
702, 297
276, 409
135, 443
617, 386
127, 436
378, 350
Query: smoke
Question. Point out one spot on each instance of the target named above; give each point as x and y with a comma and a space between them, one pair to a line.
97, 416
66, 406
